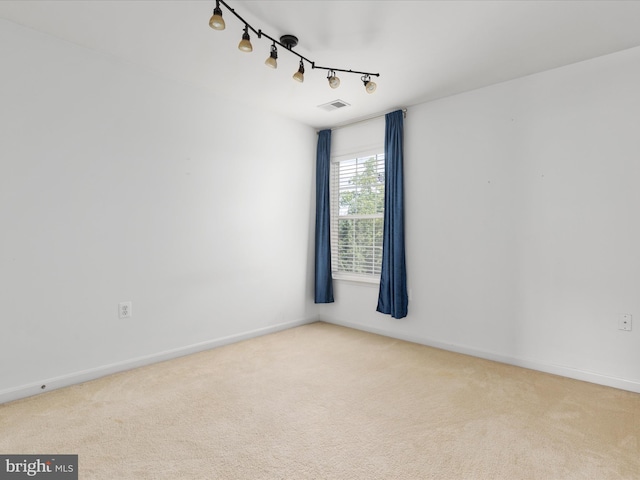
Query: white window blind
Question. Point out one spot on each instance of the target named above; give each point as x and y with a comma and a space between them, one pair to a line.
357, 216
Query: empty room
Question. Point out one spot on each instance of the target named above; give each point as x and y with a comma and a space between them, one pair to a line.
304, 239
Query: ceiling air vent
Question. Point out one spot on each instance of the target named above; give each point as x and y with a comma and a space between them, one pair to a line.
334, 105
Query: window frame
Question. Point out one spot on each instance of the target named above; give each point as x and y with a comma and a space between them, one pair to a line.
360, 278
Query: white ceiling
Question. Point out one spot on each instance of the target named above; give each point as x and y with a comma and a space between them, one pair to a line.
423, 50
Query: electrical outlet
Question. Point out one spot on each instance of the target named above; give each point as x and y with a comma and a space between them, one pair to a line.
124, 310
624, 322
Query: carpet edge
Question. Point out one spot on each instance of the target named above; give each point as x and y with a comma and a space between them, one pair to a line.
560, 370
74, 378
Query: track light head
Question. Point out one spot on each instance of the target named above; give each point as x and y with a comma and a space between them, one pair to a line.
334, 82
299, 75
217, 22
245, 43
369, 86
272, 60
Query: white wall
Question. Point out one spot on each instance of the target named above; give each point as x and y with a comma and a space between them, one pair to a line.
523, 224
118, 185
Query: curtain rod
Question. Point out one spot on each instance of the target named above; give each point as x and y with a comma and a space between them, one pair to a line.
404, 115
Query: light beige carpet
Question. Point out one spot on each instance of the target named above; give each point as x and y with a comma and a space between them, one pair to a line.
326, 402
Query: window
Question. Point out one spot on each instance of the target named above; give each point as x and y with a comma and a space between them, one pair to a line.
357, 217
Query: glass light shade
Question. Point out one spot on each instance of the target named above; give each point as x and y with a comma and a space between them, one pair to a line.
334, 82
217, 22
245, 44
299, 75
271, 62
370, 86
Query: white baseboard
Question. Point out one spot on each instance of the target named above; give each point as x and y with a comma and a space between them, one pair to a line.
561, 370
49, 384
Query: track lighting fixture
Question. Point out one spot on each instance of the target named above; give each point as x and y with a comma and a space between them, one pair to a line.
217, 22
245, 43
334, 82
288, 42
272, 60
299, 75
369, 86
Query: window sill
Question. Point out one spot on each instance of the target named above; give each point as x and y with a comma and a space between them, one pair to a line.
357, 279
